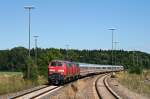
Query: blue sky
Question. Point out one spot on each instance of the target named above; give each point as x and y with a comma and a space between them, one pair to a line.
83, 24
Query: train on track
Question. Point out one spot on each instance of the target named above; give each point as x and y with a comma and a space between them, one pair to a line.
60, 71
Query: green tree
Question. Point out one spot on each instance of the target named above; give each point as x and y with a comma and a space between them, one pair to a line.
30, 71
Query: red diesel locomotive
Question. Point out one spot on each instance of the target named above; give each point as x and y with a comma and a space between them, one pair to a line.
60, 71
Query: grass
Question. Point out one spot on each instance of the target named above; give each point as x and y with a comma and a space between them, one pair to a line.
71, 91
11, 73
13, 81
137, 83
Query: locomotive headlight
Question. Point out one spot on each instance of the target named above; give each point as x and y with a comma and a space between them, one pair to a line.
52, 70
60, 70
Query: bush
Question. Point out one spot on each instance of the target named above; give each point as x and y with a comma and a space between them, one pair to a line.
136, 69
30, 72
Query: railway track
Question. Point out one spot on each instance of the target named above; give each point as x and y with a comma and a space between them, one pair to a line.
38, 93
103, 90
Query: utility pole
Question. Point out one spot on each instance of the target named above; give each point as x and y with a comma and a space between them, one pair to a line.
112, 31
35, 48
137, 59
148, 61
133, 58
67, 46
29, 8
115, 51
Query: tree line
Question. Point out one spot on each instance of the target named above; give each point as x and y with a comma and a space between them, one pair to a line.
16, 59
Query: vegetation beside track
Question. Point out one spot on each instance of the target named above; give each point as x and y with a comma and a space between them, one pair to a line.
11, 74
16, 59
13, 81
139, 83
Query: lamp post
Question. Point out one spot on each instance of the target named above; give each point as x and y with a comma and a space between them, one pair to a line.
112, 31
115, 51
35, 48
29, 8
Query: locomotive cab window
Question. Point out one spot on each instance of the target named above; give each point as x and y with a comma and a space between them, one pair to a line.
56, 64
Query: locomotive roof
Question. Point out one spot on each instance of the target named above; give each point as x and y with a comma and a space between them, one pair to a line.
87, 65
59, 61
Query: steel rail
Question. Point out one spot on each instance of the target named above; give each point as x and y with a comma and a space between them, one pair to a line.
44, 92
114, 94
17, 96
96, 84
110, 89
34, 91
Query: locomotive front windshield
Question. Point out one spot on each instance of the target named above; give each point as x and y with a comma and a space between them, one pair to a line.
56, 64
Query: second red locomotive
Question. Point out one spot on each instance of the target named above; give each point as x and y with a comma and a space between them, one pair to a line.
60, 71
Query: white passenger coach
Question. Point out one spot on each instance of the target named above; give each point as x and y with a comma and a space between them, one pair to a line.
95, 68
